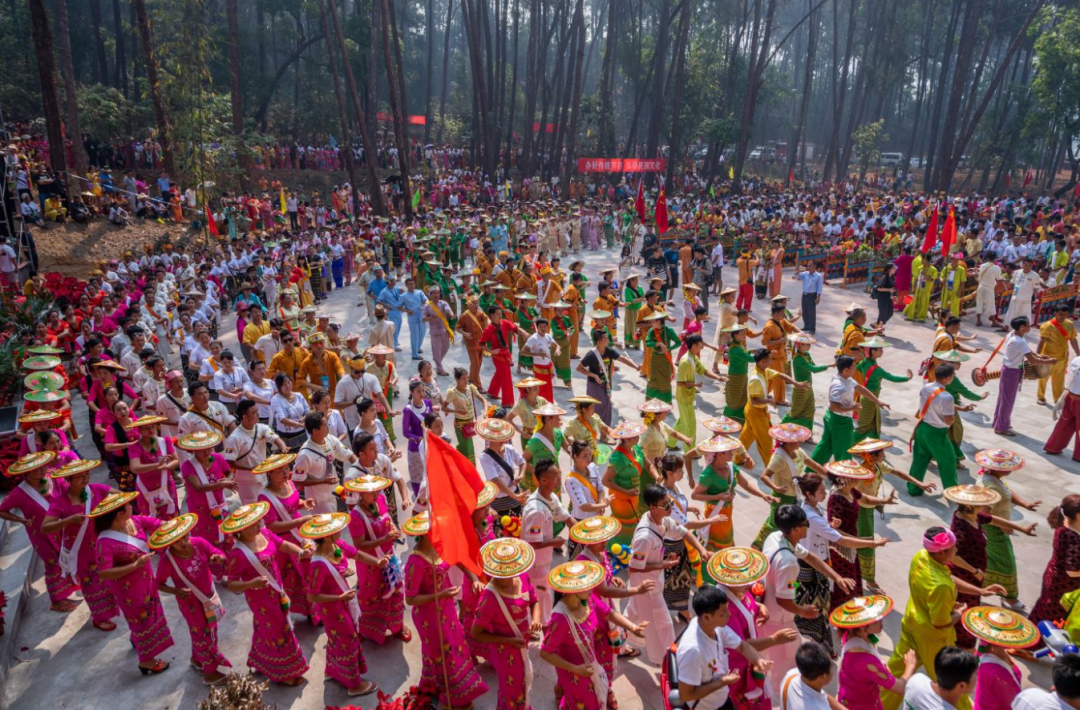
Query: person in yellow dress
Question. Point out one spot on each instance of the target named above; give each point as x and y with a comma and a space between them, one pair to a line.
1056, 336
953, 278
687, 386
756, 411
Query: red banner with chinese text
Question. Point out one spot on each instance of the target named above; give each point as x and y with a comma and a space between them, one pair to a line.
621, 165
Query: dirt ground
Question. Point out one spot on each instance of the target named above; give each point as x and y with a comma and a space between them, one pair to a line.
72, 249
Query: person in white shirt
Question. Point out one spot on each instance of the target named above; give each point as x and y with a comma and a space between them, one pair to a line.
359, 385
803, 687
702, 656
269, 345
246, 448
503, 465
1066, 688
320, 402
313, 469
229, 381
1024, 281
955, 670
584, 485
647, 562
172, 403
539, 347
260, 390
985, 298
204, 415
542, 510
784, 552
1016, 353
937, 409
839, 433
369, 462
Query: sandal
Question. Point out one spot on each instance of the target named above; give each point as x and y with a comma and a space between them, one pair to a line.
65, 606
405, 635
631, 653
293, 682
360, 692
159, 666
105, 626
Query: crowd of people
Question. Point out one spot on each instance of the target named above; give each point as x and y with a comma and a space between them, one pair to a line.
290, 467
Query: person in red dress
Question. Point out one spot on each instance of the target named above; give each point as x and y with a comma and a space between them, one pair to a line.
497, 339
1062, 573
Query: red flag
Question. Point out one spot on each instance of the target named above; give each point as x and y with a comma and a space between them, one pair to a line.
1007, 181
791, 175
948, 233
931, 233
453, 485
639, 203
211, 222
1027, 178
661, 212
1076, 189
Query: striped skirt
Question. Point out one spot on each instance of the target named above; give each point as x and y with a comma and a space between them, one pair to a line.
562, 361
956, 436
659, 383
864, 526
869, 420
813, 590
630, 336
802, 408
679, 579
1000, 561
735, 396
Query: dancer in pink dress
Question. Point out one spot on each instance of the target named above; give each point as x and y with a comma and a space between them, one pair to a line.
999, 632
863, 676
484, 525
568, 643
379, 586
430, 593
32, 498
253, 569
69, 515
328, 587
287, 513
506, 616
185, 571
123, 559
206, 478
153, 461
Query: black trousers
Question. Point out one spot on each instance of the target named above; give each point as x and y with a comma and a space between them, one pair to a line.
809, 312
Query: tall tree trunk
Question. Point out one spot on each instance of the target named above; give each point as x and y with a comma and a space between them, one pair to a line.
396, 103
473, 32
513, 90
445, 69
964, 56
234, 68
50, 102
372, 73
71, 94
430, 17
920, 94
399, 73
606, 119
808, 83
756, 76
939, 94
339, 98
656, 117
260, 35
531, 84
832, 153
157, 94
679, 60
121, 75
575, 108
378, 204
101, 67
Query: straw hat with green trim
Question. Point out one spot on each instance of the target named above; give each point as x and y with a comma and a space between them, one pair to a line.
113, 501
44, 350
172, 530
44, 380
576, 577
722, 425
41, 415
655, 315
734, 328
789, 433
549, 410
324, 525
999, 459
273, 463
367, 484
738, 566
199, 440
529, 382
869, 446
492, 429
30, 462
486, 494
599, 315
875, 342
75, 468
597, 529
719, 445
244, 517
951, 356
43, 396
848, 469
970, 494
1000, 627
41, 362
417, 525
861, 611
147, 420
507, 557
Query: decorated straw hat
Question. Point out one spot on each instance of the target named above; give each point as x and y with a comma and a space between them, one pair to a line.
655, 406
111, 365
951, 356
274, 462
419, 524
733, 328
598, 528
41, 362
324, 525
43, 396
738, 566
861, 611
692, 286
44, 350
1000, 627
719, 444
41, 415
529, 382
851, 307
628, 430
999, 459
869, 446
244, 517
199, 440
44, 380
507, 557
848, 469
727, 291
970, 494
583, 399
802, 338
147, 420
599, 315
790, 433
172, 530
655, 315
380, 350
559, 304
113, 501
367, 483
875, 342
75, 467
549, 410
722, 425
492, 429
575, 577
30, 462
486, 494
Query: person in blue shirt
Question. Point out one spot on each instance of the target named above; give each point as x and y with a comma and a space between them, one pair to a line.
163, 185
390, 299
499, 236
812, 286
412, 302
671, 256
376, 286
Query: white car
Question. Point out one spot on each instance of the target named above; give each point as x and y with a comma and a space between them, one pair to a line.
891, 160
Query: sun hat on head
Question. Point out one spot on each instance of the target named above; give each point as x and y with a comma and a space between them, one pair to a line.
869, 446
999, 459
113, 501
492, 429
719, 444
970, 494
848, 469
655, 406
549, 410
324, 525
75, 468
30, 462
790, 433
722, 425
417, 525
367, 484
951, 356
172, 530
628, 430
738, 566
273, 462
244, 517
486, 494
598, 528
576, 577
41, 415
147, 420
199, 441
1000, 627
861, 611
507, 557
529, 382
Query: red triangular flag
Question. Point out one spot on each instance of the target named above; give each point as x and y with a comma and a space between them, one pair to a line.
211, 222
1008, 179
639, 203
1027, 178
453, 485
931, 233
1076, 189
948, 234
661, 212
791, 175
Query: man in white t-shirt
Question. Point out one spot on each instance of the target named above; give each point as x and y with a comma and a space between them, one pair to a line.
360, 384
702, 657
246, 448
542, 510
314, 469
1066, 694
539, 347
803, 688
1016, 353
985, 298
955, 669
8, 260
839, 433
937, 409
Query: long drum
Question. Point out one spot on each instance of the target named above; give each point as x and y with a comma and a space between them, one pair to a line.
980, 376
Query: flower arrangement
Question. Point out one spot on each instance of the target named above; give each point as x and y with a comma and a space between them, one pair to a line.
238, 692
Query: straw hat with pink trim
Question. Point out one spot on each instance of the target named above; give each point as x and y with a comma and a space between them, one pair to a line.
722, 425
999, 459
628, 430
790, 433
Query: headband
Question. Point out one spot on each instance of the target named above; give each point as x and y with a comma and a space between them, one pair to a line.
940, 542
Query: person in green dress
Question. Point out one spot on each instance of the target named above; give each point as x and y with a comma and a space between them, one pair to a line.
687, 386
562, 330
627, 474
716, 488
634, 297
546, 442
803, 368
959, 391
739, 363
872, 375
662, 342
923, 276
526, 313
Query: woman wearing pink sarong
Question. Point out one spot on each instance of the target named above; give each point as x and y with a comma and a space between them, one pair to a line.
328, 587
32, 498
999, 632
206, 478
863, 676
253, 569
123, 559
153, 460
287, 514
484, 525
379, 587
430, 593
506, 615
185, 571
69, 515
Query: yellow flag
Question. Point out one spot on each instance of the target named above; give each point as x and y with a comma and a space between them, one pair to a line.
284, 208
731, 173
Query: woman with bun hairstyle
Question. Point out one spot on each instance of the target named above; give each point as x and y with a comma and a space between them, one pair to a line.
1062, 573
